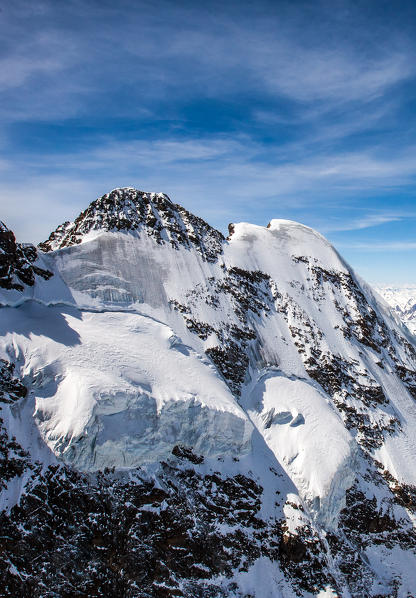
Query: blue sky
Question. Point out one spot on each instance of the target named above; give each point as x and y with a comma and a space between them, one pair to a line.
239, 111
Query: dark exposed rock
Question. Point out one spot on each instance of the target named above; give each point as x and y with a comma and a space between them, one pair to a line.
122, 533
404, 494
131, 210
354, 399
231, 362
184, 452
132, 535
250, 295
362, 516
17, 262
408, 377
367, 521
11, 388
14, 460
303, 558
292, 548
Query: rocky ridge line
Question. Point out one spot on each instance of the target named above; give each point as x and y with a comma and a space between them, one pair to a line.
128, 209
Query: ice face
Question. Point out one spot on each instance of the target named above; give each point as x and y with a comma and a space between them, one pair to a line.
115, 268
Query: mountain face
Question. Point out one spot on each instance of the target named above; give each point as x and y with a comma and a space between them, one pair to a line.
403, 301
188, 415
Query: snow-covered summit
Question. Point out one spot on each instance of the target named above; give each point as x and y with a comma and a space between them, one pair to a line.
127, 209
299, 234
279, 241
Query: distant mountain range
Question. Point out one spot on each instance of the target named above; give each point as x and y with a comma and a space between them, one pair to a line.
403, 301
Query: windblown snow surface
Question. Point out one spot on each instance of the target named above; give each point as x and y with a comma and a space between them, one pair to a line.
261, 358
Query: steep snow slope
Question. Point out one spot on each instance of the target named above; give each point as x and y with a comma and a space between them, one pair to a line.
156, 332
120, 388
403, 300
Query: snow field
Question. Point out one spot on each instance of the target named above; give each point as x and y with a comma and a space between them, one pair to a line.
117, 389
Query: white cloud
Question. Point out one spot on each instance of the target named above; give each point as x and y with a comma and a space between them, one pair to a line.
368, 221
337, 76
168, 51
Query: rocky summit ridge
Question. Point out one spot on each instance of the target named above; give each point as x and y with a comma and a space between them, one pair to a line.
225, 417
128, 209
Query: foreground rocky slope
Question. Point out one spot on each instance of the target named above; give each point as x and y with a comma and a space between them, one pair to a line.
225, 417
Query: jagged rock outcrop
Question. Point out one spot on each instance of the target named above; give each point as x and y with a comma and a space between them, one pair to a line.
131, 210
17, 262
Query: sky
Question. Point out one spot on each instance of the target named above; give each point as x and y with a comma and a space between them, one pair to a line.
239, 111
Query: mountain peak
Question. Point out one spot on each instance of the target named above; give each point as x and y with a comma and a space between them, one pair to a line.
128, 209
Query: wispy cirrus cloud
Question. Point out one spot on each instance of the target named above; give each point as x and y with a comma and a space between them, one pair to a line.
368, 221
387, 247
177, 52
332, 75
